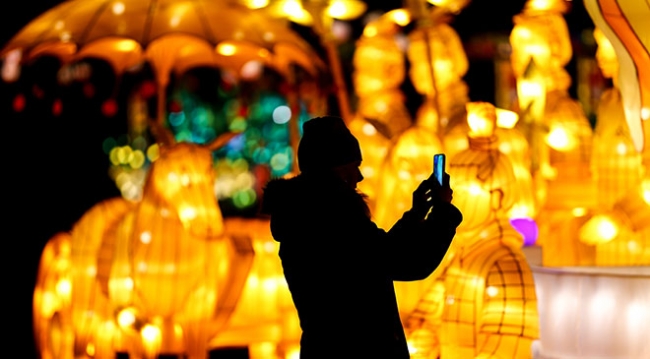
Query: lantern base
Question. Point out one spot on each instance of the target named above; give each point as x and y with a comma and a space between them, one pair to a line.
592, 312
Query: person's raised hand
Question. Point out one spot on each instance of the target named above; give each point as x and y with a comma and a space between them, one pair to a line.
442, 193
422, 198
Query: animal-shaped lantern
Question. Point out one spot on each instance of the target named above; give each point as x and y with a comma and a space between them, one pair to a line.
483, 303
147, 277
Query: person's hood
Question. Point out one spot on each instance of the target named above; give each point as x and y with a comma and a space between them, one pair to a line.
285, 200
295, 203
279, 195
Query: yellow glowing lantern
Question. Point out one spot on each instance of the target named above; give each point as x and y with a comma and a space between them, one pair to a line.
541, 36
621, 235
559, 133
513, 143
409, 161
379, 70
160, 271
438, 64
487, 281
482, 120
453, 5
447, 57
54, 333
92, 306
617, 166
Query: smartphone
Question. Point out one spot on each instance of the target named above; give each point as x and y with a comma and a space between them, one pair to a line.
439, 167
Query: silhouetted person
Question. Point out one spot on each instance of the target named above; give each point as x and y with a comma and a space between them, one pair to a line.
339, 265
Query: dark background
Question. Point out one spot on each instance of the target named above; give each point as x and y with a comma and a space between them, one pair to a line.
53, 168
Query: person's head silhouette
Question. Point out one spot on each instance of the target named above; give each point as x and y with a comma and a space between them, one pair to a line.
327, 145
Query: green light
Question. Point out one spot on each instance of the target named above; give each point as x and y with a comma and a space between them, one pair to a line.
279, 162
244, 198
108, 145
184, 136
140, 143
238, 124
261, 155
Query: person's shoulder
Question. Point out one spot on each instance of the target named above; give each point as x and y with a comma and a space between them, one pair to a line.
278, 192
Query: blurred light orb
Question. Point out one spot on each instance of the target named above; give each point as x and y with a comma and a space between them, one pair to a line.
57, 107
341, 30
251, 70
109, 108
527, 227
11, 66
176, 118
19, 103
279, 162
118, 8
645, 113
281, 115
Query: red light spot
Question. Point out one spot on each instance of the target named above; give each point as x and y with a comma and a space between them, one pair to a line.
57, 107
175, 106
109, 108
88, 90
19, 102
147, 89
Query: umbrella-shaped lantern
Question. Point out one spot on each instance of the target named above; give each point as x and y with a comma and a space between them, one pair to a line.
172, 35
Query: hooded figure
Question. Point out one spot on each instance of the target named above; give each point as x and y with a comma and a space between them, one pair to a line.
338, 264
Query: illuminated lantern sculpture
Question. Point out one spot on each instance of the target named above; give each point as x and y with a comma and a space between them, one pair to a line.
146, 277
618, 229
559, 133
434, 51
379, 70
437, 65
514, 144
484, 301
616, 164
621, 233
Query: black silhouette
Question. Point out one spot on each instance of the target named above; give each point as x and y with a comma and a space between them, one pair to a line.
339, 265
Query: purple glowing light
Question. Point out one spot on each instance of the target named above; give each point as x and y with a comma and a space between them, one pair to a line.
527, 227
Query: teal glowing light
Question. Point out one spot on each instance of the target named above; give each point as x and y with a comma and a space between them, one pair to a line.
176, 118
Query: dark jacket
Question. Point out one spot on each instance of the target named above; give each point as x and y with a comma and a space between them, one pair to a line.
340, 267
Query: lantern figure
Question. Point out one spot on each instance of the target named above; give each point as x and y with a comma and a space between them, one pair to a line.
621, 233
488, 285
159, 272
617, 166
433, 52
379, 70
513, 143
559, 133
438, 64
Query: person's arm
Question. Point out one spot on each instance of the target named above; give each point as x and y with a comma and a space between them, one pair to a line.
415, 245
